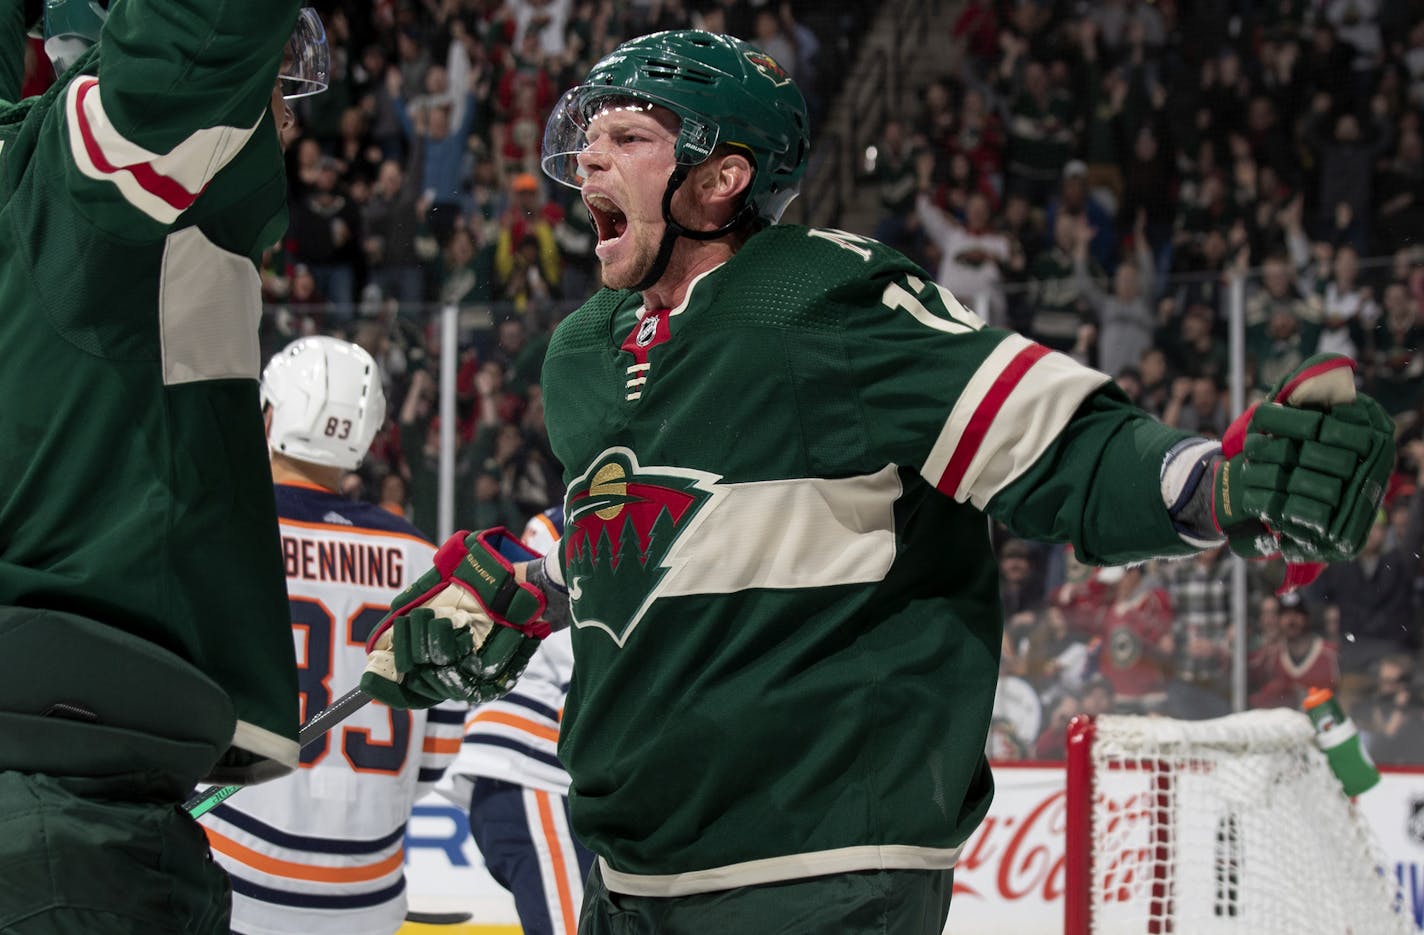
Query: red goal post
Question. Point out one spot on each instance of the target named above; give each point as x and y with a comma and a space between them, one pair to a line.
1232, 826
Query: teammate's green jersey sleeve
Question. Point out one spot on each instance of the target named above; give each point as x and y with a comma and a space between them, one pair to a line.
173, 104
134, 484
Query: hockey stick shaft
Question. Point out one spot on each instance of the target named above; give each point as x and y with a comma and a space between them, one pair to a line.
205, 800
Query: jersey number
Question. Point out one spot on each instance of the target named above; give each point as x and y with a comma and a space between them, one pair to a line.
930, 304
315, 625
337, 428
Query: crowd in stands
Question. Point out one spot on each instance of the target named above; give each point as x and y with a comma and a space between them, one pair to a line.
1091, 175
1094, 176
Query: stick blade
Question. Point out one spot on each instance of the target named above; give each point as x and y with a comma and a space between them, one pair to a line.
438, 918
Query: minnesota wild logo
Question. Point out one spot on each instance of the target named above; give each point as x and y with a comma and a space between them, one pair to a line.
622, 520
767, 66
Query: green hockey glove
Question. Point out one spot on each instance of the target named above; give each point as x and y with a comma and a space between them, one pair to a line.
1303, 474
463, 631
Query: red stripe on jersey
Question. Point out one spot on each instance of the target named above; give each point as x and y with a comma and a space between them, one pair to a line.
984, 416
152, 181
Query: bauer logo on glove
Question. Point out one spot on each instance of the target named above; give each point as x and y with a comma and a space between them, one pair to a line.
463, 631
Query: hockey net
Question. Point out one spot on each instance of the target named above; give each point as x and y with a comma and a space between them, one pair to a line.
1234, 825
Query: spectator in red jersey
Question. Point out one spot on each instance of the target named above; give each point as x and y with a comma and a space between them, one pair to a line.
524, 96
978, 134
1293, 660
1136, 644
976, 29
1082, 599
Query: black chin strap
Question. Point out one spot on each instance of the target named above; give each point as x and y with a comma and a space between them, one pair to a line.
675, 230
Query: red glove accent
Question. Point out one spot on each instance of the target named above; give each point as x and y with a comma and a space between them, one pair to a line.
490, 582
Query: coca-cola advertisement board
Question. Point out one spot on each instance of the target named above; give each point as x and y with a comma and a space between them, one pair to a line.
1010, 876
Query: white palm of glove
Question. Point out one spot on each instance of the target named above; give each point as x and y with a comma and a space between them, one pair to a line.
453, 603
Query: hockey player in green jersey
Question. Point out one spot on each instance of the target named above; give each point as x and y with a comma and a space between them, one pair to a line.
143, 611
781, 446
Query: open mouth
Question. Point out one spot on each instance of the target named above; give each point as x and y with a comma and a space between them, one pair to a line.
610, 220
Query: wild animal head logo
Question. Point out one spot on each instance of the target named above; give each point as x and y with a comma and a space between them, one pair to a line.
622, 520
1125, 648
769, 69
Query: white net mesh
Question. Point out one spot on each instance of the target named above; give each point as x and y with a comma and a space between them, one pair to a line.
1234, 825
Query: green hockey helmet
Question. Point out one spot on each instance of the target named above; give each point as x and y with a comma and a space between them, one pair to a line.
722, 89
81, 18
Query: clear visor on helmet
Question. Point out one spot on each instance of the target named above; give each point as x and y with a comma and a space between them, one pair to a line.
69, 29
566, 133
306, 61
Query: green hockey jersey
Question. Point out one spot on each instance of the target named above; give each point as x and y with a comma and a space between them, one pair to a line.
787, 621
135, 196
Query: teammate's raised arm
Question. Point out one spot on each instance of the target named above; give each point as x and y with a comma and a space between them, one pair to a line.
142, 598
171, 66
163, 117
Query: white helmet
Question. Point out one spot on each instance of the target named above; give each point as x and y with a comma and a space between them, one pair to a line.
327, 401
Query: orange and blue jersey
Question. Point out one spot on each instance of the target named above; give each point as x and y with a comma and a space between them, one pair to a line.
321, 851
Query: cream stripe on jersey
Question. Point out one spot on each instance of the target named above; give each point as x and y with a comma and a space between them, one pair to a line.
209, 307
161, 185
974, 392
777, 869
1012, 409
844, 534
